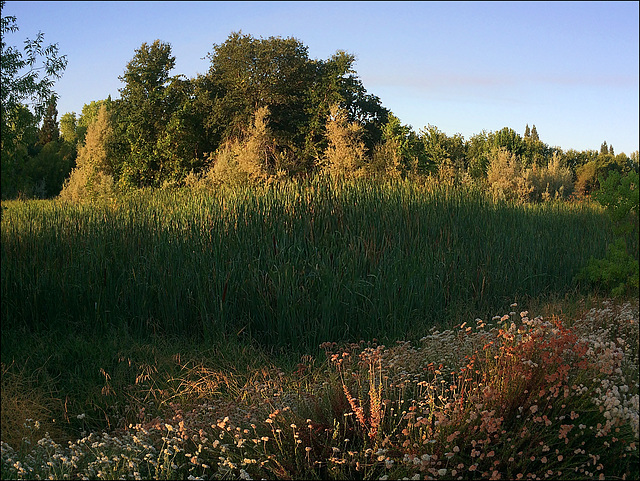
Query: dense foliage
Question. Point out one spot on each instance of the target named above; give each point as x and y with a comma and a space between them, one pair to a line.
261, 99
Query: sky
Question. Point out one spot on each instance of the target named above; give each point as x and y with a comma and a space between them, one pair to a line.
569, 68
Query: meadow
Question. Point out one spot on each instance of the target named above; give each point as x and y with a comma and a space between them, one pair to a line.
312, 329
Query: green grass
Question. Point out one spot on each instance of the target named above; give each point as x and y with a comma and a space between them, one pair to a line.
147, 306
289, 265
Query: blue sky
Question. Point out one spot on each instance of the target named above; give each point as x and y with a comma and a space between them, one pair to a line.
570, 68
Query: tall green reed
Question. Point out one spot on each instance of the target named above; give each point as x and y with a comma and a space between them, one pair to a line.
287, 264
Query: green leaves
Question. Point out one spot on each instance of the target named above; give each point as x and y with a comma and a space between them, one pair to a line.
21, 73
619, 194
27, 77
618, 272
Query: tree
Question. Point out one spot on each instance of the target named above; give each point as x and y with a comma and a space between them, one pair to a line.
505, 176
179, 147
401, 150
88, 115
345, 154
534, 133
510, 140
95, 169
49, 132
145, 110
604, 149
248, 73
68, 128
527, 132
25, 77
252, 73
21, 75
478, 149
447, 154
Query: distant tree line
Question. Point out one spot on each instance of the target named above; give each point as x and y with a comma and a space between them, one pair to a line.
263, 110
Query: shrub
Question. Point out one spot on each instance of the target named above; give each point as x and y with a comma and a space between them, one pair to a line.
504, 175
550, 182
618, 272
345, 154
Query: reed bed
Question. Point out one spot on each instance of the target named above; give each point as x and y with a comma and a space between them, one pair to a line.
291, 265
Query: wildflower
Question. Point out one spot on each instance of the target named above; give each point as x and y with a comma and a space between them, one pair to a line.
442, 472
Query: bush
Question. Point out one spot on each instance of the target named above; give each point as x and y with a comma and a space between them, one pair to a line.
618, 272
505, 178
345, 154
550, 182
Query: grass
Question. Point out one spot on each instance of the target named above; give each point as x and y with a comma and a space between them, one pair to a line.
291, 265
152, 319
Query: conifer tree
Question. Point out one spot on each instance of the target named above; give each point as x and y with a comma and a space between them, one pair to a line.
527, 132
534, 133
49, 131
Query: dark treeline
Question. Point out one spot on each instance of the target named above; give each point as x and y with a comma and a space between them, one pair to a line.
265, 109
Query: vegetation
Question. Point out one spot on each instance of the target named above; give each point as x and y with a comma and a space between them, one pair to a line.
618, 271
261, 273
164, 302
514, 398
272, 261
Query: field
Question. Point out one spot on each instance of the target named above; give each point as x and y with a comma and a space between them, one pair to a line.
313, 329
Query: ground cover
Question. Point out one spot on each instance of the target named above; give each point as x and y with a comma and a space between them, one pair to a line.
177, 334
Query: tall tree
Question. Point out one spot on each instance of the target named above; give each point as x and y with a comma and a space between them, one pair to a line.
527, 132
68, 128
249, 73
478, 154
534, 133
252, 73
88, 115
145, 110
50, 131
95, 169
509, 139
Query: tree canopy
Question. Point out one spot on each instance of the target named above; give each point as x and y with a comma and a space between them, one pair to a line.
263, 108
